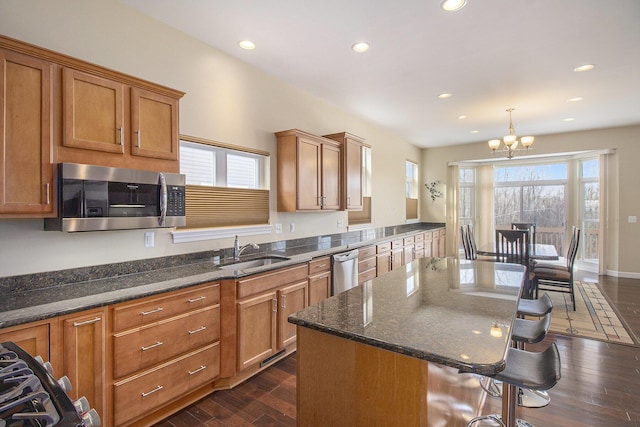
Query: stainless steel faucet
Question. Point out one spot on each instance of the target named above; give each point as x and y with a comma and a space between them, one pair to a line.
237, 250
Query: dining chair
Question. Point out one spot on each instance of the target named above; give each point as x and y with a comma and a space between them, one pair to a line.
558, 277
469, 242
512, 246
529, 226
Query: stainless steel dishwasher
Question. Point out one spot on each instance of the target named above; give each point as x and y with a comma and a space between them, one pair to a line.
344, 269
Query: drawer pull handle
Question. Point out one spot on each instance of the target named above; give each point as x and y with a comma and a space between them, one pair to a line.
158, 344
87, 322
152, 391
157, 310
197, 299
200, 329
321, 265
275, 305
201, 368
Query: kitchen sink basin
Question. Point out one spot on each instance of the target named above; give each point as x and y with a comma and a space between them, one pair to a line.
258, 262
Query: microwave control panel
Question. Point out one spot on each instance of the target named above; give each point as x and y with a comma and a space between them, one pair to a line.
175, 200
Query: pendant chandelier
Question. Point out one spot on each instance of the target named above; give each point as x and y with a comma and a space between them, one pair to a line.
510, 142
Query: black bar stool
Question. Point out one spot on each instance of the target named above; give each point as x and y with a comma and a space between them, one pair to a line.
524, 369
535, 307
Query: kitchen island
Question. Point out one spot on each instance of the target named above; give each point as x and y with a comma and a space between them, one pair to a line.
398, 350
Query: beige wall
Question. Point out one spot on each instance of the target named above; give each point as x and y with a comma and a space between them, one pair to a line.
623, 189
226, 101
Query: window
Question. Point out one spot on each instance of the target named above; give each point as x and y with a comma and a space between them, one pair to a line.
411, 190
226, 186
533, 193
590, 208
364, 216
467, 181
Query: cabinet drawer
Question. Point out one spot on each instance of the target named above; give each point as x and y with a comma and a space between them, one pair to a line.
366, 275
143, 393
319, 265
441, 232
366, 264
383, 247
419, 237
366, 252
419, 245
143, 347
130, 315
409, 240
263, 282
395, 244
428, 235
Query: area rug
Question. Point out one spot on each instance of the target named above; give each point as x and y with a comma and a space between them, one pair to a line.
594, 317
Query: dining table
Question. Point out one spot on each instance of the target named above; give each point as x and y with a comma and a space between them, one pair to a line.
538, 251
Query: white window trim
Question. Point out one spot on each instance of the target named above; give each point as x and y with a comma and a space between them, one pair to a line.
186, 236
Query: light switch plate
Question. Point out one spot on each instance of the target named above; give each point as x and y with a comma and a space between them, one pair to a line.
633, 219
149, 239
292, 227
278, 228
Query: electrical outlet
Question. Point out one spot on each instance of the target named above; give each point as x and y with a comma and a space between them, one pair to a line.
633, 219
292, 227
340, 223
278, 228
149, 239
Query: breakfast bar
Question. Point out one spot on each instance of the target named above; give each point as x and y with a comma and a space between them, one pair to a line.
398, 350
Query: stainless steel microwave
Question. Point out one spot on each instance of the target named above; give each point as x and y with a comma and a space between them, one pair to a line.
94, 198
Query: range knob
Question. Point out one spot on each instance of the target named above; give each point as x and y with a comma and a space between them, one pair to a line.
82, 405
48, 367
91, 419
65, 384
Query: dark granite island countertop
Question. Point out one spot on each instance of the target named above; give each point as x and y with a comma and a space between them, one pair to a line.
454, 314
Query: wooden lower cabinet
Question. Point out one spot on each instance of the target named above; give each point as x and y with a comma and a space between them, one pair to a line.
366, 263
151, 389
257, 323
84, 357
291, 299
33, 338
383, 258
165, 348
319, 280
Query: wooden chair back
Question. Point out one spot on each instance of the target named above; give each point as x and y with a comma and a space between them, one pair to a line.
529, 226
512, 246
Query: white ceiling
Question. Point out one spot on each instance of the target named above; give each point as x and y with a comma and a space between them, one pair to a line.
491, 55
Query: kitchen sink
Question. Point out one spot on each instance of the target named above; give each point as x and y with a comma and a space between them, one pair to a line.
257, 262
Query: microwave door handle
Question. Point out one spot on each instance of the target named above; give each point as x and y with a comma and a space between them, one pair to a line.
163, 199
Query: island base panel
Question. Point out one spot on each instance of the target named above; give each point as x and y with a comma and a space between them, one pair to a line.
342, 382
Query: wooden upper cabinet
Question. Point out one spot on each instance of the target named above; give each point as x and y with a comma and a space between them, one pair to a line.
154, 125
26, 171
93, 112
95, 117
352, 170
309, 174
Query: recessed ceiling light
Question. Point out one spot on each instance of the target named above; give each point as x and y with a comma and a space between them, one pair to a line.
586, 67
568, 119
445, 95
475, 131
576, 99
453, 5
360, 47
247, 44
462, 117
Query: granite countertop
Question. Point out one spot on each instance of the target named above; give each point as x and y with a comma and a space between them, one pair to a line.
437, 309
46, 295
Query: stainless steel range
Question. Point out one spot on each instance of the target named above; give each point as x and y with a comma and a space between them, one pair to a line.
31, 396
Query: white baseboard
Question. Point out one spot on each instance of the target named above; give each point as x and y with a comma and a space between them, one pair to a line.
624, 274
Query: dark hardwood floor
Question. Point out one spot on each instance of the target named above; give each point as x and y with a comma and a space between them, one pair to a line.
600, 383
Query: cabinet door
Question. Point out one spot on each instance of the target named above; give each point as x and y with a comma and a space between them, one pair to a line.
442, 246
309, 174
93, 112
353, 174
256, 329
319, 288
26, 172
291, 299
428, 244
32, 339
409, 254
84, 357
154, 125
397, 258
330, 177
383, 263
